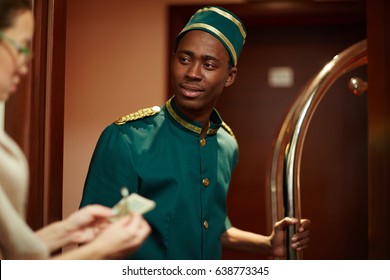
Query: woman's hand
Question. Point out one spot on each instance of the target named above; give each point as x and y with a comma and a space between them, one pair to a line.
123, 237
84, 225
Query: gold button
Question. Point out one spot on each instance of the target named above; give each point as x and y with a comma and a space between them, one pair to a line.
203, 142
205, 224
205, 182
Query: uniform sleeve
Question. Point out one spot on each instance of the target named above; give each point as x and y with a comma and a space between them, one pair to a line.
111, 168
228, 223
17, 240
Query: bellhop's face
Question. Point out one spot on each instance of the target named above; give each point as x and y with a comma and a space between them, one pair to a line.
200, 69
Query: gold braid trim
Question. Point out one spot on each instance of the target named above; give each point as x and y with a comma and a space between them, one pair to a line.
191, 127
228, 129
138, 115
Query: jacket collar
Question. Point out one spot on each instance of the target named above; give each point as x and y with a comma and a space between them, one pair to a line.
215, 119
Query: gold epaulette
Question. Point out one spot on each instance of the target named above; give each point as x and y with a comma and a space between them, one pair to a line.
228, 129
138, 115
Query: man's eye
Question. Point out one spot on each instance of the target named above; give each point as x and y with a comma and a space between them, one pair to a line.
209, 66
184, 59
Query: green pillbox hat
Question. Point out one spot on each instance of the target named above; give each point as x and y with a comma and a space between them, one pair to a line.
223, 25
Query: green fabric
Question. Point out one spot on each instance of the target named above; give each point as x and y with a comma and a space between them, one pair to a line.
223, 25
162, 160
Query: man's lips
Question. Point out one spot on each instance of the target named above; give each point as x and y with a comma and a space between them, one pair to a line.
191, 90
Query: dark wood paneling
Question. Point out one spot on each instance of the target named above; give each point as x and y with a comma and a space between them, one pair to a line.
378, 29
55, 111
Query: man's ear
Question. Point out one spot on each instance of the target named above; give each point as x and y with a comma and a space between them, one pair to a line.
231, 76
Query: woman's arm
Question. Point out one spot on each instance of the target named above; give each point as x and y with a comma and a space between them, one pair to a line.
117, 240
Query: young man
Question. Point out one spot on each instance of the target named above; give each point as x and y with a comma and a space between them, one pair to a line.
182, 155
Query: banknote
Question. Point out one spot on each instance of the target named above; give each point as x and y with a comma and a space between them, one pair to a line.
133, 203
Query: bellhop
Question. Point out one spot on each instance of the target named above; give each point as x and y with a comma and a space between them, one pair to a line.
163, 155
182, 155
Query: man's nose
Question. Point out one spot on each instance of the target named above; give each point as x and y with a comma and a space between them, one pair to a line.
195, 71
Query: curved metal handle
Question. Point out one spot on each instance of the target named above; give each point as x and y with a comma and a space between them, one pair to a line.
285, 170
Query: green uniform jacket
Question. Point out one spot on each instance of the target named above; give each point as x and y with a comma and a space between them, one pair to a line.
163, 158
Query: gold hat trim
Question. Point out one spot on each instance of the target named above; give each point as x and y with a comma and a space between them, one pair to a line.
226, 15
218, 33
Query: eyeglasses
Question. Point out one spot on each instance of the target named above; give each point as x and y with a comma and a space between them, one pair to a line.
21, 50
